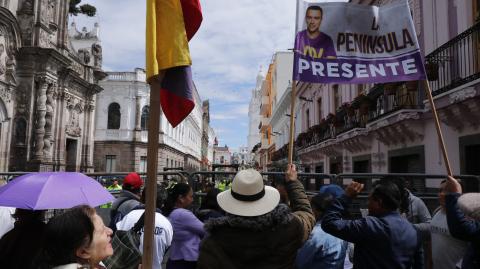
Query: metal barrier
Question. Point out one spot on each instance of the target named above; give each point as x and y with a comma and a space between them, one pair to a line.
200, 180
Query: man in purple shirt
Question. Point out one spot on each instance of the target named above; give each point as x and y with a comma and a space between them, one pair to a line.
311, 42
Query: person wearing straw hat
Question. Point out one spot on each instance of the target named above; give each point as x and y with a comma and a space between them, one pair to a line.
258, 231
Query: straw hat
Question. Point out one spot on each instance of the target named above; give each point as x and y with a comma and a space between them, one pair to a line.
248, 195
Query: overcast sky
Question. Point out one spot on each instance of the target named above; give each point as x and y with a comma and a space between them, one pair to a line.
235, 39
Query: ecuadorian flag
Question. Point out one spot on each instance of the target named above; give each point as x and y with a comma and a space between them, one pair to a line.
170, 25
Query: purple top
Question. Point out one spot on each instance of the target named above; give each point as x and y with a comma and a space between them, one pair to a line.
319, 47
187, 234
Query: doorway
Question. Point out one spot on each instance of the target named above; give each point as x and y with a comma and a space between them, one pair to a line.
470, 160
409, 160
71, 155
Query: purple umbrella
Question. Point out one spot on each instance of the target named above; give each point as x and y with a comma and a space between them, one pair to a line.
53, 190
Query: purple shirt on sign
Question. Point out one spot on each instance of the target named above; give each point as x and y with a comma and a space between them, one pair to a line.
319, 47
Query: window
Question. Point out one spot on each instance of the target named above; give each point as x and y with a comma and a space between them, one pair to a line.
319, 109
144, 120
337, 97
167, 163
143, 164
171, 163
222, 159
307, 118
110, 163
114, 116
20, 131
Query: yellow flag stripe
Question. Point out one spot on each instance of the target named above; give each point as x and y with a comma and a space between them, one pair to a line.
166, 38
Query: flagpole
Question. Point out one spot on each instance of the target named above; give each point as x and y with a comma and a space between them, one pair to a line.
292, 123
152, 165
439, 130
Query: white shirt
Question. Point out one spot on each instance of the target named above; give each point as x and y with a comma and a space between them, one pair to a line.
6, 219
447, 251
163, 233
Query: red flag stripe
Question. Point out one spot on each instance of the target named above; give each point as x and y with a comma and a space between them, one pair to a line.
192, 16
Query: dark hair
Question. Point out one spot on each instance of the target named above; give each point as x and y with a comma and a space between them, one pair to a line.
314, 8
26, 215
321, 201
67, 232
179, 189
404, 194
210, 201
161, 196
388, 192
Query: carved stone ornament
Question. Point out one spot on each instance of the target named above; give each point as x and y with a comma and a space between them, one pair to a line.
97, 55
462, 95
6, 94
44, 39
410, 115
26, 26
27, 7
22, 98
73, 127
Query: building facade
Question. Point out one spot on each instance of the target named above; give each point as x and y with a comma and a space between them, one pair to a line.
121, 131
47, 88
273, 88
254, 114
388, 128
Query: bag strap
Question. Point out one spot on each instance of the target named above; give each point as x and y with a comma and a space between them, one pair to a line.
123, 200
139, 225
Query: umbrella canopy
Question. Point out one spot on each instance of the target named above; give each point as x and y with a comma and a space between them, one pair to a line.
53, 190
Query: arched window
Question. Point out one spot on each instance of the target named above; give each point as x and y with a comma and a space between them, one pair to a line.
114, 116
144, 121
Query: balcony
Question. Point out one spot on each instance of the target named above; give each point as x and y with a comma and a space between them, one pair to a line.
280, 154
264, 123
386, 99
314, 135
393, 102
455, 63
265, 143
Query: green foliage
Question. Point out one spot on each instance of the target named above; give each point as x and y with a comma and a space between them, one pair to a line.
84, 9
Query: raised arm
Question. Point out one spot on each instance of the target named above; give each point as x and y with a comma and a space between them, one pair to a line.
299, 201
458, 225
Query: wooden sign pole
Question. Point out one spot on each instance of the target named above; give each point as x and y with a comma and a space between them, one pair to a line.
152, 164
292, 123
438, 127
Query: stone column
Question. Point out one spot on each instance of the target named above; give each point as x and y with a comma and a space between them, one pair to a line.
41, 108
50, 111
138, 118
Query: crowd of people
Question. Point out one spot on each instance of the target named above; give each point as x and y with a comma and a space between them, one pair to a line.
253, 225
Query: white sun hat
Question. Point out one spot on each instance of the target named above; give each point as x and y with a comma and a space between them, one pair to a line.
248, 195
469, 203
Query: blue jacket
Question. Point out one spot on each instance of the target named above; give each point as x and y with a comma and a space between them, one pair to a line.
464, 229
388, 241
321, 250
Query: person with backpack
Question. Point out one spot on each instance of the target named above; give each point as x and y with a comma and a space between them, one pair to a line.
128, 199
163, 231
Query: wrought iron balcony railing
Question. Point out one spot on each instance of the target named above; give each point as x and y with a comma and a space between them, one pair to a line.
456, 62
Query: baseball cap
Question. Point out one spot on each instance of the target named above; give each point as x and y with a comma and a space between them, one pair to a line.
134, 180
332, 189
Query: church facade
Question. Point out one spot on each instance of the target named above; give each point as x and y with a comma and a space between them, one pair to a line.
48, 84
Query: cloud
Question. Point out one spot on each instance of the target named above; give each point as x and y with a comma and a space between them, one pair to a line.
235, 38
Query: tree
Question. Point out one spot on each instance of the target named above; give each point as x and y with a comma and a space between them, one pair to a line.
85, 9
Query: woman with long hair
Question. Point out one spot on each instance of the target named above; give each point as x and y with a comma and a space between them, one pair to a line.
75, 239
187, 229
